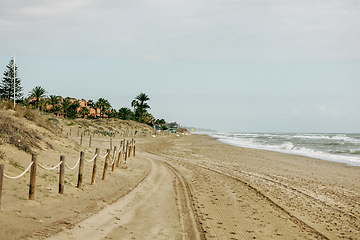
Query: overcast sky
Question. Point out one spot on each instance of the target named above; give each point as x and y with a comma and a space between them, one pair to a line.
244, 65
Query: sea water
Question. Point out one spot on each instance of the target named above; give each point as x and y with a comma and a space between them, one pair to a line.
338, 147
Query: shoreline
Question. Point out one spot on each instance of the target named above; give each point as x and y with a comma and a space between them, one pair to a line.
332, 157
217, 139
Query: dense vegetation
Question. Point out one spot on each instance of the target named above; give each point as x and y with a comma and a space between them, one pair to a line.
72, 107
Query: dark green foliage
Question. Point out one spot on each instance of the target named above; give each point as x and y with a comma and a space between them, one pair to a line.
103, 105
160, 121
140, 106
84, 111
112, 113
125, 113
7, 83
54, 102
38, 93
71, 109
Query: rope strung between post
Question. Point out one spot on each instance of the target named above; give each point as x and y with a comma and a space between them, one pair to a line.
92, 158
104, 156
20, 174
52, 168
74, 166
113, 160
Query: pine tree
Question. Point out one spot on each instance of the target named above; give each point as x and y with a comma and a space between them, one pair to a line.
7, 84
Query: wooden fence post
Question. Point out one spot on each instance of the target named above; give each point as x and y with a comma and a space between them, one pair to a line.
78, 131
124, 145
114, 156
126, 152
110, 143
132, 144
134, 148
129, 151
81, 140
32, 177
106, 165
120, 154
93, 177
62, 174
81, 169
130, 148
1, 181
90, 142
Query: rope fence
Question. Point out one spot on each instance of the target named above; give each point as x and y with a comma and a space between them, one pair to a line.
27, 169
52, 168
104, 155
124, 152
72, 168
113, 159
127, 133
92, 158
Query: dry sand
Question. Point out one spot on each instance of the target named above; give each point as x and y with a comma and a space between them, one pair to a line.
191, 187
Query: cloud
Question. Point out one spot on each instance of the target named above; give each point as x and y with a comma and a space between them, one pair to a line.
255, 31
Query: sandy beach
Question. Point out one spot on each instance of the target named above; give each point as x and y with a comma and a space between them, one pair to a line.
192, 187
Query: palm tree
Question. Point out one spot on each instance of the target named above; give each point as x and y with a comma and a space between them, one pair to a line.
142, 97
65, 105
135, 104
125, 113
53, 101
103, 105
140, 105
112, 113
92, 105
72, 109
84, 111
37, 92
42, 104
148, 119
69, 106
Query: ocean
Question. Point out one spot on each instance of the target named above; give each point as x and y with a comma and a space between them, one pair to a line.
338, 147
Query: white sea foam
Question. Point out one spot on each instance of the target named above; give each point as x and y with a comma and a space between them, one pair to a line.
326, 137
332, 147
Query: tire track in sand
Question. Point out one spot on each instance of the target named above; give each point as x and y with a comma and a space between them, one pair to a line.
150, 211
231, 209
188, 218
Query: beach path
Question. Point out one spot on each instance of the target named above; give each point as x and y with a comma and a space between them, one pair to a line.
152, 210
